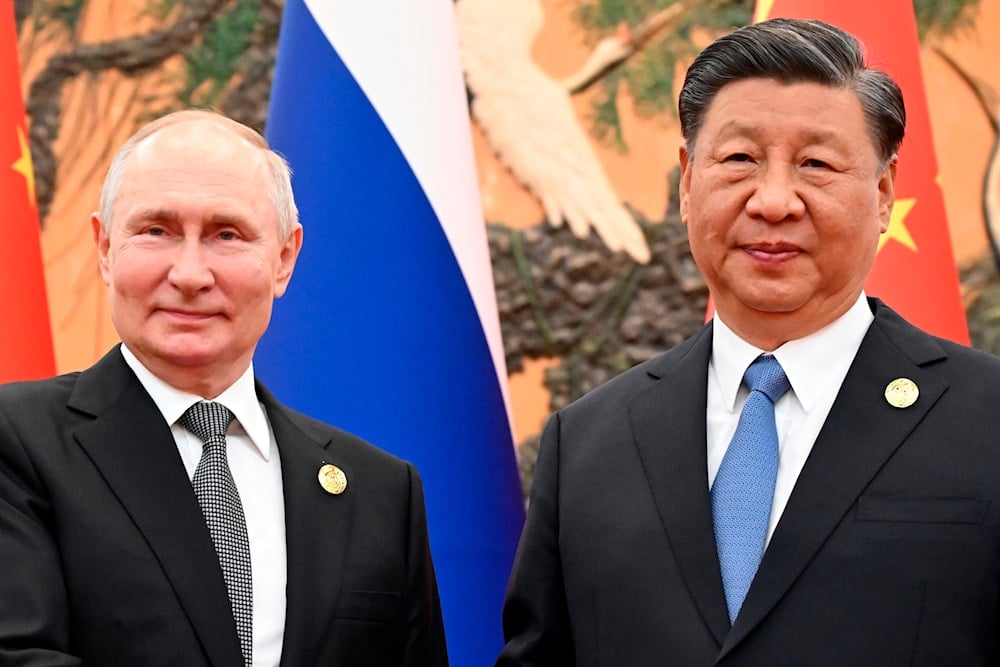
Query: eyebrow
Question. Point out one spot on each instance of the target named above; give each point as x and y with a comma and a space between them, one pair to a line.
810, 135
226, 219
156, 215
172, 215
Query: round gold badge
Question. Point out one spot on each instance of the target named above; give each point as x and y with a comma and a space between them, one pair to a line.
332, 479
901, 393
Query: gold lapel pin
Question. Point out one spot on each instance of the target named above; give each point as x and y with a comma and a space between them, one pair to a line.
901, 393
332, 479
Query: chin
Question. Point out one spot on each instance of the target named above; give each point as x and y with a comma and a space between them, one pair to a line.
763, 301
776, 307
189, 356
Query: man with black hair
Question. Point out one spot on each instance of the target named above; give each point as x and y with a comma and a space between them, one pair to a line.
809, 480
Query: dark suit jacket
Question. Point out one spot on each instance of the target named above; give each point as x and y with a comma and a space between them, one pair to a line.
888, 552
106, 559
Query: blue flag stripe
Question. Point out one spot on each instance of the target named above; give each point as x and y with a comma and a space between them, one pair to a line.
379, 333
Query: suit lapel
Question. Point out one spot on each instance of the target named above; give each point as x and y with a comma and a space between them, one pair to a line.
860, 434
317, 531
668, 420
132, 447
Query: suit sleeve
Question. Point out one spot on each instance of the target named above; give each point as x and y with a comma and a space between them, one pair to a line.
34, 617
535, 617
424, 642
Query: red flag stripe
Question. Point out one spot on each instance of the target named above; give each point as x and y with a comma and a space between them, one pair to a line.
25, 336
915, 270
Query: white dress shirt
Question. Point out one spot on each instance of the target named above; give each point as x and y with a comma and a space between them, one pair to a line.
256, 468
815, 366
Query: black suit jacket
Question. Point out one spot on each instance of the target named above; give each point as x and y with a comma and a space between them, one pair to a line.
106, 558
887, 553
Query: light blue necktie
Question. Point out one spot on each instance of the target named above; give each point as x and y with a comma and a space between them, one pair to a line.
744, 487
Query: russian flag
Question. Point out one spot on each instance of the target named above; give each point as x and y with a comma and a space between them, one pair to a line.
389, 328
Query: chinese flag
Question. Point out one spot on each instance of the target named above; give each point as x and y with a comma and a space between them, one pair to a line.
25, 336
915, 269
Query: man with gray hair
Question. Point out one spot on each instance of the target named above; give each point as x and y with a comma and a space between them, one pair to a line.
162, 508
809, 480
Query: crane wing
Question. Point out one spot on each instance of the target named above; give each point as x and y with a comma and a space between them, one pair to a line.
529, 121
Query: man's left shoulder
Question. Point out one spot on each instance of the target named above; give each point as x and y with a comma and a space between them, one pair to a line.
932, 351
334, 440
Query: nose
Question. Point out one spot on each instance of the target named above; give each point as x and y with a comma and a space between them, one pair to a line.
190, 271
775, 197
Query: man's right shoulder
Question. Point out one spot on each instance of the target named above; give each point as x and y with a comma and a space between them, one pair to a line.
23, 393
621, 388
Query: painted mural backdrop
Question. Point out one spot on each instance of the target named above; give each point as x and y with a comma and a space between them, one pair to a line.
575, 140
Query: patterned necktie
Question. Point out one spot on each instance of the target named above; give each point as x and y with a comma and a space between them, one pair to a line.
744, 487
220, 503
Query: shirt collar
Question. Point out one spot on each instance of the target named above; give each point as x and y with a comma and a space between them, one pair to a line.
810, 363
240, 398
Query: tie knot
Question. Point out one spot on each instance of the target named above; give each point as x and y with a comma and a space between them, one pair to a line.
207, 420
767, 376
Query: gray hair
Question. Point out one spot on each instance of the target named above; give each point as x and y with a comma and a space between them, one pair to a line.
280, 190
794, 51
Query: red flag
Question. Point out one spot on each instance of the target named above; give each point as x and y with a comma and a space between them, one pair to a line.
25, 336
915, 269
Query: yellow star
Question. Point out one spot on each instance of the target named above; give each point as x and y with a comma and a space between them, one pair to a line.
24, 167
897, 230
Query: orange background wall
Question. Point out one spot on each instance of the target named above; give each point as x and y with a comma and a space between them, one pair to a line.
962, 135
